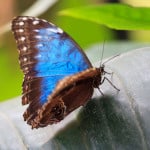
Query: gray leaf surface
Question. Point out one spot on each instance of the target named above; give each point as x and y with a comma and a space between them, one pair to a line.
119, 120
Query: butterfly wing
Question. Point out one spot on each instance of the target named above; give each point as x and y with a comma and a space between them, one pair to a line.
47, 55
77, 89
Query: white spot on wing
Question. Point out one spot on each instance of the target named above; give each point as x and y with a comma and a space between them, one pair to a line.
38, 36
22, 38
55, 30
35, 22
31, 18
24, 48
36, 30
24, 18
39, 45
20, 30
59, 30
24, 59
36, 18
21, 23
38, 56
26, 68
52, 24
43, 20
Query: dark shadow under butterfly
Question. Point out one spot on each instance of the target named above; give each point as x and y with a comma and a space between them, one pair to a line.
58, 76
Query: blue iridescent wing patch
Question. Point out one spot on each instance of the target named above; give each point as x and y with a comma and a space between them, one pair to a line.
51, 62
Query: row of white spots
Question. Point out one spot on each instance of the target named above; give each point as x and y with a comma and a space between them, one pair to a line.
26, 18
22, 19
37, 21
55, 29
21, 23
22, 38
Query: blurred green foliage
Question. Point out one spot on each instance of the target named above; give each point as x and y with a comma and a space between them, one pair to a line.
10, 76
128, 18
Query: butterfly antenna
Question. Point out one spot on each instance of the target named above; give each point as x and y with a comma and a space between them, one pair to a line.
110, 59
102, 53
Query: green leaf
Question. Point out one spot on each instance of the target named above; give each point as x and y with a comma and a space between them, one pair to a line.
116, 16
120, 120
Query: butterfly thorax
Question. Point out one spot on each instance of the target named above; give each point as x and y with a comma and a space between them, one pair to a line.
97, 78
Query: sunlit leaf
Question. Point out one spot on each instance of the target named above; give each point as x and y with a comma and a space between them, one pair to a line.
116, 16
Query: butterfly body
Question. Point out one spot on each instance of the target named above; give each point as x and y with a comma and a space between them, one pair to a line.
58, 76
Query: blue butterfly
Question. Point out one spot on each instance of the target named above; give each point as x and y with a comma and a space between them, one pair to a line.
58, 76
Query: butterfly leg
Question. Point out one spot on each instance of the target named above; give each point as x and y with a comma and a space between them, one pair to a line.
110, 73
105, 78
100, 91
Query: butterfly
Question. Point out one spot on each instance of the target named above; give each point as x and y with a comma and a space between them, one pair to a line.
58, 76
